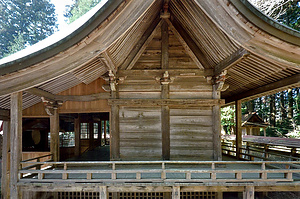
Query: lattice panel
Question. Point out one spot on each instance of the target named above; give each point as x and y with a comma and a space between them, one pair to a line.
78, 195
138, 195
198, 195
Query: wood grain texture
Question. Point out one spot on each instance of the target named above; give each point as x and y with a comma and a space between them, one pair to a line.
15, 142
191, 135
140, 133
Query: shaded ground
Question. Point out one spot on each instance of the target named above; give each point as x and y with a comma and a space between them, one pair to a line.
98, 154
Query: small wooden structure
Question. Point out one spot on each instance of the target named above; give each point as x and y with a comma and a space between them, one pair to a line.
161, 69
252, 123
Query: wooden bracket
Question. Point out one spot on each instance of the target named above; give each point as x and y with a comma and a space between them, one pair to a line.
112, 81
50, 105
220, 81
166, 79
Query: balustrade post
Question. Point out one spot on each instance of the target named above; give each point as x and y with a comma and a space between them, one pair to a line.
65, 175
213, 175
163, 173
113, 174
263, 174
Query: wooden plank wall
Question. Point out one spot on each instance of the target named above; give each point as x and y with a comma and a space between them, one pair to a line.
38, 110
140, 133
191, 133
191, 128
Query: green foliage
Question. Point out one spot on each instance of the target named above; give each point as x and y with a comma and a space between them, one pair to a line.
227, 119
284, 11
286, 112
79, 8
26, 20
16, 45
291, 17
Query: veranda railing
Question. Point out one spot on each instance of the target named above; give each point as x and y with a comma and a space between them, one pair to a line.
162, 171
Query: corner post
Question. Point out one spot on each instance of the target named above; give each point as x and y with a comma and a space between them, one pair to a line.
217, 154
15, 143
5, 149
54, 134
114, 120
238, 125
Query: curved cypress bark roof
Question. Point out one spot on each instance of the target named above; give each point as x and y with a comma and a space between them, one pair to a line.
260, 55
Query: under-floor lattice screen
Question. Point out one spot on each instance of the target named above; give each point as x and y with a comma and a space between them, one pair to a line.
137, 195
198, 195
78, 195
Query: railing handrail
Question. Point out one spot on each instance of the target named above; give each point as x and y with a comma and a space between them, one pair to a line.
166, 162
36, 158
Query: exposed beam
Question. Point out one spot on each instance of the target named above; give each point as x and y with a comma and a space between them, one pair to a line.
185, 45
4, 114
172, 72
233, 59
283, 84
139, 48
192, 45
106, 58
77, 98
166, 102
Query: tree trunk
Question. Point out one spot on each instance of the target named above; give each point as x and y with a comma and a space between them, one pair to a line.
290, 105
282, 106
272, 110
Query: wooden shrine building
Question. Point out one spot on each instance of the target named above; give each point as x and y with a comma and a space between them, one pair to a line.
158, 72
252, 123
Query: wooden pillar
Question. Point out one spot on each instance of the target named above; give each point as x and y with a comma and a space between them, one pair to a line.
251, 130
217, 154
265, 134
15, 142
91, 133
5, 170
249, 192
103, 192
115, 129
54, 135
77, 135
105, 132
219, 195
238, 126
100, 132
176, 192
165, 110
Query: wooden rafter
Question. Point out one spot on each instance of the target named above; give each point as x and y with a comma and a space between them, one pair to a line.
185, 45
283, 84
138, 49
233, 59
144, 42
107, 60
191, 44
78, 98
